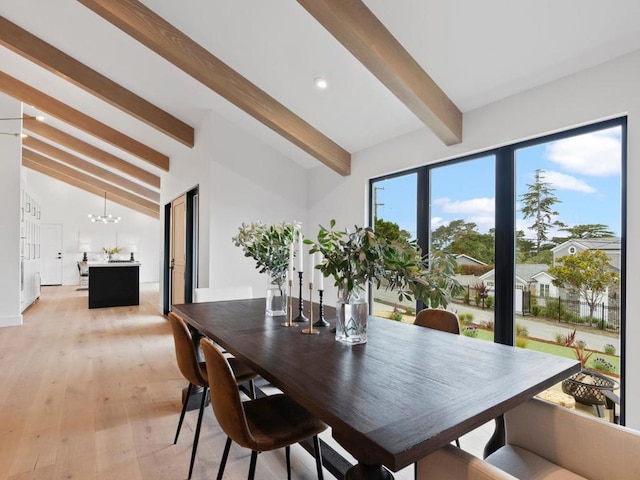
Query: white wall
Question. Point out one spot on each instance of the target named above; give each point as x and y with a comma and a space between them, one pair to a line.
606, 91
240, 179
10, 161
69, 206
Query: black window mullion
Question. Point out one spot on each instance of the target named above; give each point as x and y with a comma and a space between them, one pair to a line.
505, 225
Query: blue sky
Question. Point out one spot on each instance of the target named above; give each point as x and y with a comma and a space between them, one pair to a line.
584, 171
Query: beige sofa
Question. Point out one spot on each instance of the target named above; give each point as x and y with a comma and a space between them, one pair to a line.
545, 442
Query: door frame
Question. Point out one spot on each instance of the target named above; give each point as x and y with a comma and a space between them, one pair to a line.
192, 210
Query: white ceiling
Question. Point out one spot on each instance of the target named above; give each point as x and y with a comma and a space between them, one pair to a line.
477, 52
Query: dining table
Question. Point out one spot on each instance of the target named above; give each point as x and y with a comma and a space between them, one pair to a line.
400, 396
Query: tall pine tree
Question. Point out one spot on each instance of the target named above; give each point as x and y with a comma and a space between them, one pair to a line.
538, 204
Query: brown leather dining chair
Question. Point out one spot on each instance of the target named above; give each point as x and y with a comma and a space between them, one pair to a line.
444, 321
263, 424
438, 319
196, 374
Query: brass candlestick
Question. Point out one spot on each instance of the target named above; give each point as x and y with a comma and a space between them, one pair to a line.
289, 323
310, 330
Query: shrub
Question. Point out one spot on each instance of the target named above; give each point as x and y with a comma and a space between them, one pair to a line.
470, 331
569, 338
488, 325
535, 311
521, 342
601, 364
409, 311
397, 316
521, 330
560, 338
477, 299
610, 349
470, 316
466, 298
555, 310
489, 301
581, 344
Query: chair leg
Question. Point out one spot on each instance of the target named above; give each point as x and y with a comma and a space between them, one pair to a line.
287, 454
252, 388
415, 471
458, 442
184, 409
252, 466
223, 461
316, 445
197, 435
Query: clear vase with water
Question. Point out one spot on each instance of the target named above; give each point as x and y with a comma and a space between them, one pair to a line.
352, 313
276, 298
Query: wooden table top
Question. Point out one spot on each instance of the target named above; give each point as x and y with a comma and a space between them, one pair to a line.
405, 393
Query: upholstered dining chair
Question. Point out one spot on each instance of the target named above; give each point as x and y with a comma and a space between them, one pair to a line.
262, 424
196, 374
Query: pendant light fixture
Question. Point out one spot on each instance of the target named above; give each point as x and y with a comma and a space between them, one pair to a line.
104, 218
39, 118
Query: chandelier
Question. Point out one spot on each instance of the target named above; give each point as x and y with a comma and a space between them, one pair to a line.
104, 218
39, 118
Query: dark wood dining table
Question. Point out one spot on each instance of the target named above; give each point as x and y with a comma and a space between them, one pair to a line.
405, 393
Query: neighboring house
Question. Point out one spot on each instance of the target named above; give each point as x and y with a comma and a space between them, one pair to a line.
530, 277
463, 259
467, 278
611, 246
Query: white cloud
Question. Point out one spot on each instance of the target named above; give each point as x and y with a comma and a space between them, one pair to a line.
480, 211
474, 206
440, 201
596, 154
436, 221
562, 181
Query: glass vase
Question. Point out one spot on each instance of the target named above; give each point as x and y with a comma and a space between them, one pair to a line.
276, 298
352, 312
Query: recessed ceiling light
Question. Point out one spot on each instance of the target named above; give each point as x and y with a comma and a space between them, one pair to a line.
320, 82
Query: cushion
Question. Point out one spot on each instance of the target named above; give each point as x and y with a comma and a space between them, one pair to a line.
527, 465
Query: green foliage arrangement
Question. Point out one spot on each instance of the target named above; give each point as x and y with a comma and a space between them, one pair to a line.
354, 258
268, 245
111, 251
610, 349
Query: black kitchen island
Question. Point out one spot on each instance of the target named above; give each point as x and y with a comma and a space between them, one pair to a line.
114, 284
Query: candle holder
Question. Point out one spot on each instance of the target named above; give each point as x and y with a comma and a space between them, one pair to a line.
310, 330
300, 318
321, 322
289, 323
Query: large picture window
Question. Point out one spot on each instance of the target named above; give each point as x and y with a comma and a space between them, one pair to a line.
538, 231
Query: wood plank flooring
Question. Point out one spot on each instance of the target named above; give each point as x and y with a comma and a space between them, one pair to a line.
95, 394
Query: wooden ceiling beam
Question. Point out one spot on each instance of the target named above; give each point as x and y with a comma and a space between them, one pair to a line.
78, 176
62, 156
360, 32
47, 56
145, 26
29, 95
83, 186
88, 150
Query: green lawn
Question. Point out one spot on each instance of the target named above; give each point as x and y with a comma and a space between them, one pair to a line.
558, 350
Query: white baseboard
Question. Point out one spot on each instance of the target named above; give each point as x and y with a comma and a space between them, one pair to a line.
12, 321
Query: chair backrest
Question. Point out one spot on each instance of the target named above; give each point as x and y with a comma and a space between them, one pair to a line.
438, 319
225, 396
219, 294
83, 268
186, 352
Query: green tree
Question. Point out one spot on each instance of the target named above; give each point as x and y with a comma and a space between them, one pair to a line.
445, 235
587, 274
589, 230
538, 204
391, 230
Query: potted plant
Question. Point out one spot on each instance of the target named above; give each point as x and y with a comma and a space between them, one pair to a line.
109, 252
356, 258
269, 246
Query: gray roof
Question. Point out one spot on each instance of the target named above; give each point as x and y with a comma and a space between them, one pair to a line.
526, 271
607, 243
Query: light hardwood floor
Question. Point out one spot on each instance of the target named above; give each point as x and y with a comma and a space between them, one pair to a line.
95, 394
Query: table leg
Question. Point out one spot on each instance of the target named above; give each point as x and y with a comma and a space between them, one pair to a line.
368, 472
497, 440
